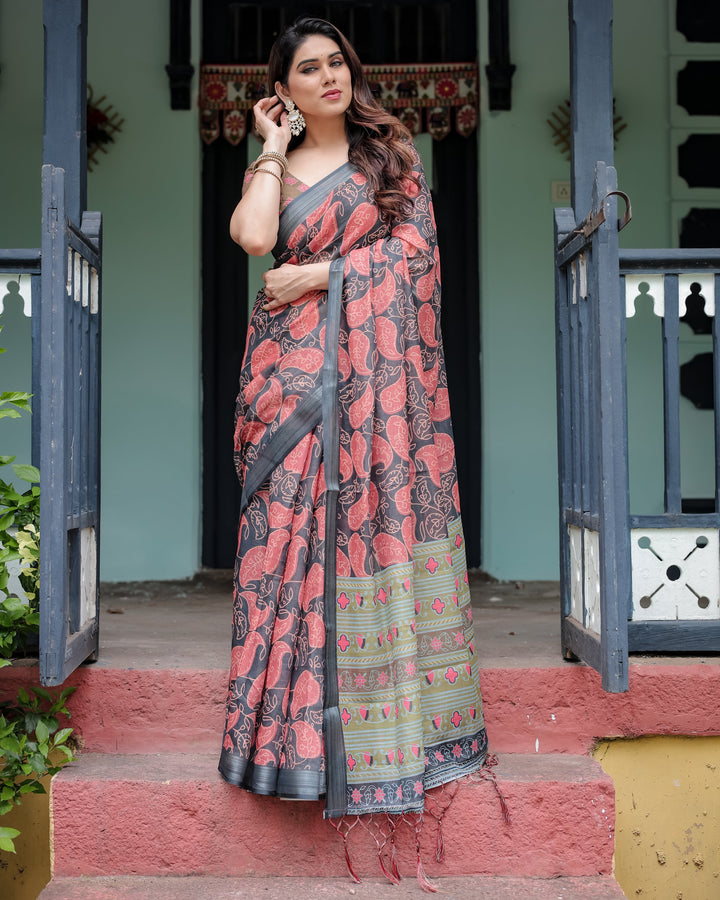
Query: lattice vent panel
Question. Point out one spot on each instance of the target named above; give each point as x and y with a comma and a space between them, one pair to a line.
675, 573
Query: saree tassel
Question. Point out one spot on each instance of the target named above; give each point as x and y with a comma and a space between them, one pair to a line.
381, 839
486, 774
343, 828
351, 871
393, 858
422, 878
391, 876
440, 848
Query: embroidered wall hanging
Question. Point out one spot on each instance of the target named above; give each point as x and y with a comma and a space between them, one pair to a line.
102, 124
560, 123
426, 98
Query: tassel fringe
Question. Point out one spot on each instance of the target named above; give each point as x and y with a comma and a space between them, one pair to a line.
344, 827
486, 774
422, 878
383, 827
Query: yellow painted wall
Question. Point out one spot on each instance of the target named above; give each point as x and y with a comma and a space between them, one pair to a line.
667, 834
24, 874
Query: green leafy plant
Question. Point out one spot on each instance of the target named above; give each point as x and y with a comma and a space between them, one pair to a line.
19, 542
32, 745
19, 520
18, 621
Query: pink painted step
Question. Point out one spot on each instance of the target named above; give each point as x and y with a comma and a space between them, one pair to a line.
212, 888
546, 710
171, 814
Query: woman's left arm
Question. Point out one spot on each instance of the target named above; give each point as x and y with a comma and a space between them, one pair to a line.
290, 282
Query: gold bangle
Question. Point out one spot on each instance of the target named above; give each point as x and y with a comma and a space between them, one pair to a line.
271, 156
274, 156
274, 175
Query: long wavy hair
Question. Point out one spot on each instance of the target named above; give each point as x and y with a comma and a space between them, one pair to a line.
379, 142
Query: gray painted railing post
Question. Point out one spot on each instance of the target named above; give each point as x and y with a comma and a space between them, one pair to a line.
65, 129
610, 404
592, 407
53, 449
591, 100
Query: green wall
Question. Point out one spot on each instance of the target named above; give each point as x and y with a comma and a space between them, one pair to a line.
21, 85
518, 162
147, 187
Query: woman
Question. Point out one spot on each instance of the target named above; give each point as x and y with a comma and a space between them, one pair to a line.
353, 672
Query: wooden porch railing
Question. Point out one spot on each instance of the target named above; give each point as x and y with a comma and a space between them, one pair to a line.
675, 556
643, 583
27, 262
66, 287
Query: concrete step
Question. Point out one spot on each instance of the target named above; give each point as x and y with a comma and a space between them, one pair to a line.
248, 888
548, 710
171, 814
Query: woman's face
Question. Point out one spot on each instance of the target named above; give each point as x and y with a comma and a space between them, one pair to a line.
319, 81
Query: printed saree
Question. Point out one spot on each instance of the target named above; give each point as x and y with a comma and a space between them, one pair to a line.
353, 672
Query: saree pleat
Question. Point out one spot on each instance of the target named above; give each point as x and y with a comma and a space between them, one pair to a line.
353, 670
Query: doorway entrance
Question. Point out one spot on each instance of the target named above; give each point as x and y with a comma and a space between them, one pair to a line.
396, 33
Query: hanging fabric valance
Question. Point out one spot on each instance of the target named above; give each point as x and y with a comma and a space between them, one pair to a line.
422, 96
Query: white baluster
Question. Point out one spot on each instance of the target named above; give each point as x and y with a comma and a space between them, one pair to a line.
85, 282
655, 290
706, 280
94, 292
77, 277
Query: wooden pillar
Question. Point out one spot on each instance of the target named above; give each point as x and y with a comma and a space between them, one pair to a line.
65, 129
591, 96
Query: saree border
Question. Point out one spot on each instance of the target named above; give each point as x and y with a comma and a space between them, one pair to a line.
305, 417
299, 208
335, 802
271, 781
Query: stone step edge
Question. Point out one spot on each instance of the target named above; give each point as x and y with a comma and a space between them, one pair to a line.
166, 767
173, 814
547, 709
300, 888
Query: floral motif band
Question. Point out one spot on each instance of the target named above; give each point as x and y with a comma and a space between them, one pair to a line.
426, 98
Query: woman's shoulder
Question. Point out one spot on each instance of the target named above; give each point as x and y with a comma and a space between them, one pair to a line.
415, 154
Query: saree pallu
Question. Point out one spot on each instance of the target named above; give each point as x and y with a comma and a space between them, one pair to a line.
353, 670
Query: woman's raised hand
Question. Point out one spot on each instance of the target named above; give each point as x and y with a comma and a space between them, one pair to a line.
271, 122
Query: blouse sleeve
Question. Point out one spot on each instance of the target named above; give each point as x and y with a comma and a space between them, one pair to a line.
247, 178
289, 190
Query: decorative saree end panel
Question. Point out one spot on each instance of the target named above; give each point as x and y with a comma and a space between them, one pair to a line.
353, 671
